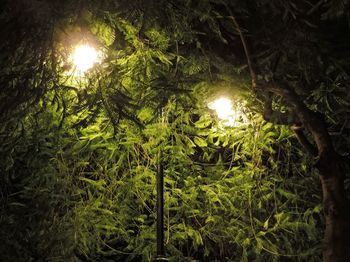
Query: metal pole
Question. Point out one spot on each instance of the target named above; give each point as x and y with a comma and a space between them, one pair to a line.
160, 210
160, 207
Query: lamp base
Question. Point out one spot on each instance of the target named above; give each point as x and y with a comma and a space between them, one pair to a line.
160, 258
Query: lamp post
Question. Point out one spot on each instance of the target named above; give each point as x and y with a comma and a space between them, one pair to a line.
160, 202
160, 210
84, 58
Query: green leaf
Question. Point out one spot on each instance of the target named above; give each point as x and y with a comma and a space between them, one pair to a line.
100, 184
204, 122
200, 141
266, 224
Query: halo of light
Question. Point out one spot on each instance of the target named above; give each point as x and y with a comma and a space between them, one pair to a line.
232, 115
223, 107
84, 57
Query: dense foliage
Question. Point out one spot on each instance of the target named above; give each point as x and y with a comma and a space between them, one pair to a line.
79, 154
89, 194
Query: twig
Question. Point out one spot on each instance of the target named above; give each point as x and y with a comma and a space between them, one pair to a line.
250, 63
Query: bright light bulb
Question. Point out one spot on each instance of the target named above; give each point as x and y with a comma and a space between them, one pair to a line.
223, 108
232, 115
84, 57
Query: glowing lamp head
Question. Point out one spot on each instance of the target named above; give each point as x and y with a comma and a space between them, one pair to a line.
84, 57
223, 108
231, 114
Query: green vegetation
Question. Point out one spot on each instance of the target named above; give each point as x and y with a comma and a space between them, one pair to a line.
87, 193
78, 154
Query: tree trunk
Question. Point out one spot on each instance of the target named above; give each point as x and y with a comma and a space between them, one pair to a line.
336, 245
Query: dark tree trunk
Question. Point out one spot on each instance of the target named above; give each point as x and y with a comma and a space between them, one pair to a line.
336, 243
336, 246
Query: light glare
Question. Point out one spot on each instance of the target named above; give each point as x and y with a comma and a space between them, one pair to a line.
223, 108
84, 57
231, 115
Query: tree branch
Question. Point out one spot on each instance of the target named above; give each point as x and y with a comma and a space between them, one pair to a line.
304, 141
309, 119
251, 65
277, 117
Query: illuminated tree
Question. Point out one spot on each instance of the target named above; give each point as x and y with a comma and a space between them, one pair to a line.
78, 150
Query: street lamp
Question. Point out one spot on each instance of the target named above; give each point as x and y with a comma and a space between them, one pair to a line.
231, 114
84, 57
